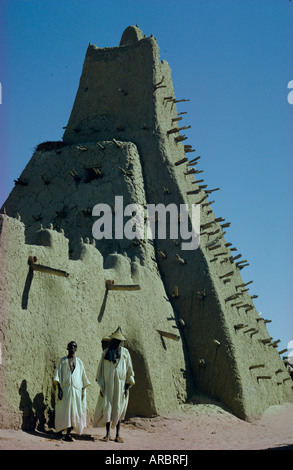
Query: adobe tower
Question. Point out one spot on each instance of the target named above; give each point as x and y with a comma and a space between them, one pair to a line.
191, 326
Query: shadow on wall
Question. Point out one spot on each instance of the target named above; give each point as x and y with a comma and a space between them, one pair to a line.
35, 413
141, 396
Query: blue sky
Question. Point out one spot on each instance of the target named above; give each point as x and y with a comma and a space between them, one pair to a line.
231, 58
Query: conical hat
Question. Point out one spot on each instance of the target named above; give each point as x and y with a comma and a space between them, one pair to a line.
118, 335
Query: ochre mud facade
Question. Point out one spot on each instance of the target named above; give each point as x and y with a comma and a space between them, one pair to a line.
125, 138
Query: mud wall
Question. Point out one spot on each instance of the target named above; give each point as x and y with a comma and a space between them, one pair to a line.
42, 312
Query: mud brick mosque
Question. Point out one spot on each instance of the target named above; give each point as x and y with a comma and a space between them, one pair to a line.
191, 325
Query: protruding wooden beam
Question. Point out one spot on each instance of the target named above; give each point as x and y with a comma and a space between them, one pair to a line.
175, 293
212, 190
45, 269
101, 146
239, 326
20, 182
227, 274
180, 260
283, 351
74, 175
250, 329
162, 254
116, 143
179, 101
183, 160
180, 138
166, 334
244, 285
110, 285
275, 343
266, 340
243, 266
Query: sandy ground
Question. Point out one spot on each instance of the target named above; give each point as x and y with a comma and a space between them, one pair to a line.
200, 427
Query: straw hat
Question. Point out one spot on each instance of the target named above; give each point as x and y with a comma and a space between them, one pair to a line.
118, 335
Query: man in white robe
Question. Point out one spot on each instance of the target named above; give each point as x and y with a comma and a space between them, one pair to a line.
71, 380
115, 376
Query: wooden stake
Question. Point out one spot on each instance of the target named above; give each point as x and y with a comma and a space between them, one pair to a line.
257, 366
191, 171
243, 266
75, 175
233, 296
254, 333
110, 285
191, 164
181, 261
235, 305
203, 199
179, 101
227, 274
239, 326
274, 344
244, 285
20, 182
116, 143
215, 247
169, 335
212, 190
248, 309
208, 204
196, 191
175, 293
172, 131
162, 254
240, 262
283, 351
236, 257
181, 161
180, 138
45, 269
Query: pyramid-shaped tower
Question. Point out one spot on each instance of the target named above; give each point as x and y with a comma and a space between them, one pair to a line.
189, 319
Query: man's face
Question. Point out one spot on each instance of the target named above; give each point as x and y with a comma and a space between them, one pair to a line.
115, 343
72, 347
